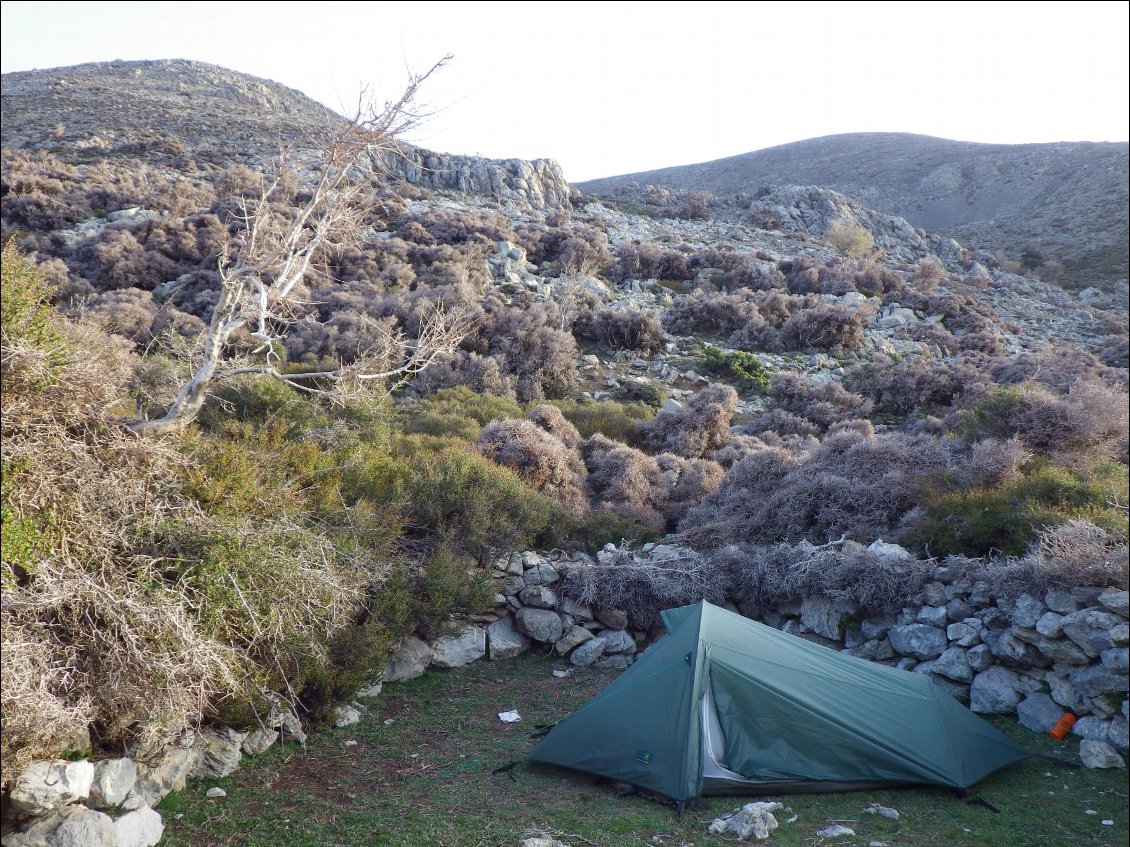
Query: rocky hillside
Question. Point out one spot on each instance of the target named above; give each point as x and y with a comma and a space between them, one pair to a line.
1067, 201
193, 116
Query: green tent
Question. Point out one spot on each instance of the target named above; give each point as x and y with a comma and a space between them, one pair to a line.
725, 705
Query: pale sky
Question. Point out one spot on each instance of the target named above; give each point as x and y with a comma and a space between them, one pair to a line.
609, 88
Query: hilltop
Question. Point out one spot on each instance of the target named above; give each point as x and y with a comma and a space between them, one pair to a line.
1065, 201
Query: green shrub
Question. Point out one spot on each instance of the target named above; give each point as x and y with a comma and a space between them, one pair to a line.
744, 368
616, 420
472, 505
1007, 519
27, 318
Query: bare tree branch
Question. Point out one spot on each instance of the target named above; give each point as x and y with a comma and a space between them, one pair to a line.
262, 265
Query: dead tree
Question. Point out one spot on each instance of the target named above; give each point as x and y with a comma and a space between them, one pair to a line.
262, 264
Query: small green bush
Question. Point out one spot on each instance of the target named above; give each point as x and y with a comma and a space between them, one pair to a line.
27, 318
1006, 519
744, 368
616, 420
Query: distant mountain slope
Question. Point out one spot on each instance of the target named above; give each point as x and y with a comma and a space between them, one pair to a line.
1068, 201
190, 115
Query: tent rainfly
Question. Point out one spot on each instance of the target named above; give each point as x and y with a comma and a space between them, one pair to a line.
725, 705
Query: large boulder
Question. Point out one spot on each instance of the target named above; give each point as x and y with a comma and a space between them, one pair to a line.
918, 640
1095, 680
1038, 712
823, 616
409, 660
587, 653
541, 625
70, 826
220, 753
995, 690
140, 828
45, 786
504, 641
455, 651
1099, 754
113, 781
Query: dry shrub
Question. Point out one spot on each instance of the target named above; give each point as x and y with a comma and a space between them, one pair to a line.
625, 481
922, 384
539, 459
828, 326
711, 313
642, 588
1115, 352
822, 404
688, 481
766, 577
855, 483
649, 261
622, 329
553, 421
697, 429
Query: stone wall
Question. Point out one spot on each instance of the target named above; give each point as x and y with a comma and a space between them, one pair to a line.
1037, 657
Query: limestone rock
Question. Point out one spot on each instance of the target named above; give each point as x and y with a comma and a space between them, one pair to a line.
1091, 728
612, 618
918, 640
820, 615
1038, 712
220, 753
1008, 648
1061, 601
888, 551
1116, 735
568, 606
964, 633
954, 664
575, 636
1116, 659
167, 772
994, 691
1095, 680
1090, 629
587, 653
409, 660
70, 826
259, 741
835, 831
345, 715
932, 616
541, 625
113, 781
1062, 651
541, 574
45, 786
876, 627
1026, 610
538, 596
455, 651
1116, 601
980, 657
140, 828
1050, 624
504, 641
753, 820
617, 641
1099, 754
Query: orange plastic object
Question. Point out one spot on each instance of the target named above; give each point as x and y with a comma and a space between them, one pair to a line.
1062, 726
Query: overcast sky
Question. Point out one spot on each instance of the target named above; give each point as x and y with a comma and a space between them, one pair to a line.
609, 88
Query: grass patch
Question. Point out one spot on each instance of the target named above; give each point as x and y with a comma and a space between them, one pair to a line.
426, 778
